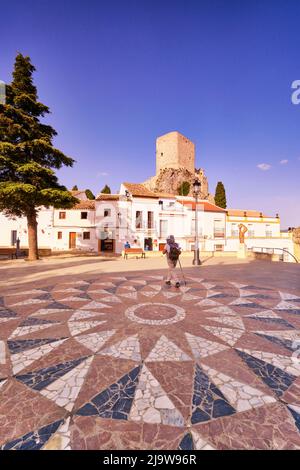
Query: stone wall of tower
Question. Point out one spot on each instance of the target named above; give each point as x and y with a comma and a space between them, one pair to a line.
174, 150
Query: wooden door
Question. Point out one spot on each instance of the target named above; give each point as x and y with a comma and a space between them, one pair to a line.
72, 240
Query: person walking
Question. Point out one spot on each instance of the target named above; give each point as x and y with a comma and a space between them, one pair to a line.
172, 251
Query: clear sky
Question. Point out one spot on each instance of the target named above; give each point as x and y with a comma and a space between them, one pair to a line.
117, 74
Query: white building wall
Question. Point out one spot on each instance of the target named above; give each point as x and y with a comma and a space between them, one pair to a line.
45, 223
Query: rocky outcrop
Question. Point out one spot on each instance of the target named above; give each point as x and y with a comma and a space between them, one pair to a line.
169, 179
296, 235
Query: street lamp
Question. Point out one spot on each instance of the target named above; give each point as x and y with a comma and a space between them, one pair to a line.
196, 187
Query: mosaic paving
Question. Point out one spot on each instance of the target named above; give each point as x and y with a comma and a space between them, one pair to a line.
125, 362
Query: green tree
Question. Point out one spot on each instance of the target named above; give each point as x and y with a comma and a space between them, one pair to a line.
89, 194
106, 190
75, 188
184, 188
27, 156
220, 195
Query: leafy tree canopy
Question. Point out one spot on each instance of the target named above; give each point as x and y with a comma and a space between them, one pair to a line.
184, 188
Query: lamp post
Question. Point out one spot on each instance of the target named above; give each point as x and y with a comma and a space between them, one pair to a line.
196, 187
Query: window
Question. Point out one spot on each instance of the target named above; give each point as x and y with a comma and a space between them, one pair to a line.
138, 219
62, 215
163, 228
234, 230
150, 220
59, 235
86, 235
84, 215
219, 247
13, 237
268, 231
107, 212
250, 231
219, 231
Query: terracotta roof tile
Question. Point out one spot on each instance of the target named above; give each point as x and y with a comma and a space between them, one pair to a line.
139, 190
205, 205
90, 205
241, 213
107, 197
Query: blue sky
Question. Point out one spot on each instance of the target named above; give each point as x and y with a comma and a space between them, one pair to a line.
117, 74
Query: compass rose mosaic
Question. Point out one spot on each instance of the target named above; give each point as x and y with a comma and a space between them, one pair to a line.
125, 362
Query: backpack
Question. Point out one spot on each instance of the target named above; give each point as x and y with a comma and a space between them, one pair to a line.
174, 252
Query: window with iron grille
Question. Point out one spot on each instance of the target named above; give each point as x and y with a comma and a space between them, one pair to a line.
219, 230
250, 231
138, 219
84, 215
62, 215
234, 230
268, 231
219, 247
163, 228
150, 219
13, 237
86, 235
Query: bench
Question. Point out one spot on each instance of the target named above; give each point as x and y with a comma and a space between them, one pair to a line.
9, 254
134, 251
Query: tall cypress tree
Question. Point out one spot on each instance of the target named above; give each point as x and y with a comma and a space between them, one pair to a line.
106, 190
220, 195
89, 194
27, 156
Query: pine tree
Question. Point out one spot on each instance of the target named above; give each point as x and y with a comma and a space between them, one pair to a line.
106, 190
89, 194
220, 195
75, 188
27, 155
184, 188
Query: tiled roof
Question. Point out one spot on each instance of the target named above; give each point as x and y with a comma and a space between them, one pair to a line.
108, 197
78, 191
138, 189
166, 195
243, 213
90, 205
204, 205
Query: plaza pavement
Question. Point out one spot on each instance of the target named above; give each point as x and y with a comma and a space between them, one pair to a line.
100, 354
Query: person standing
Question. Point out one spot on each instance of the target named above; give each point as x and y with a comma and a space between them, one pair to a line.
172, 251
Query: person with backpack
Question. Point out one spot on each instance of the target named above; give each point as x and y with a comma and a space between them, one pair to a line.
173, 252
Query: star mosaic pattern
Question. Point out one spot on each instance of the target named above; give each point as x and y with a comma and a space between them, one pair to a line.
126, 362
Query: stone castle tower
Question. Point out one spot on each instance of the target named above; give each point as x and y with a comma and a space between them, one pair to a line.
175, 164
174, 150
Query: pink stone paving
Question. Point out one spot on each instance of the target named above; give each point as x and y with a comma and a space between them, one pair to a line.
122, 361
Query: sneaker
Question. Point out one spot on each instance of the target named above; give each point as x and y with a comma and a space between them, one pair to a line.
168, 283
177, 284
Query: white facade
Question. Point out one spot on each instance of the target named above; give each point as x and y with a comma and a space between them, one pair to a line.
104, 225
